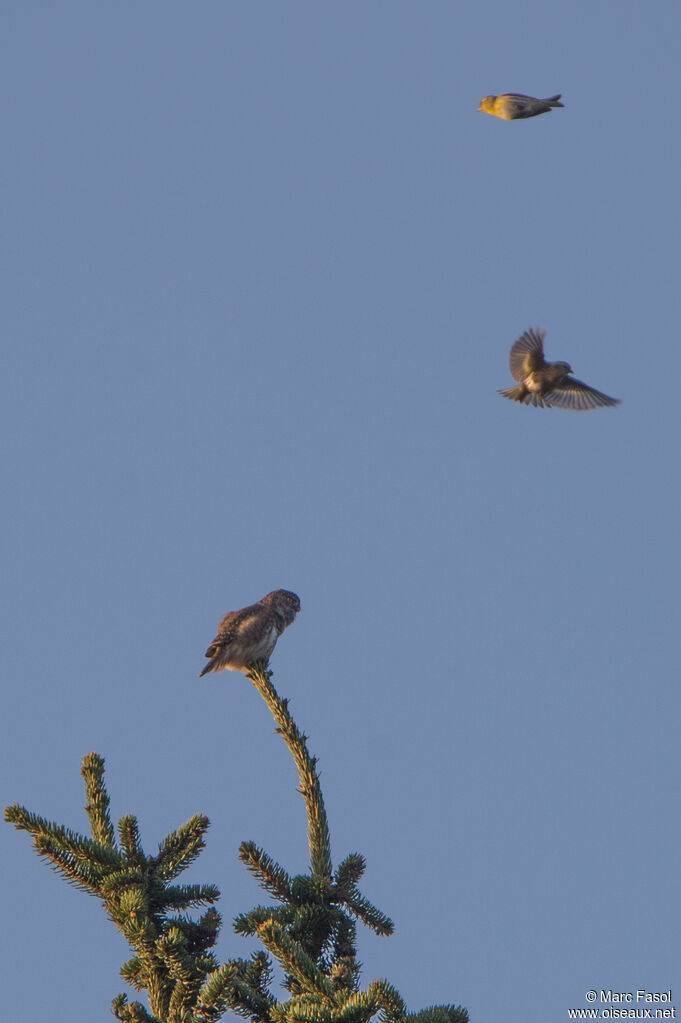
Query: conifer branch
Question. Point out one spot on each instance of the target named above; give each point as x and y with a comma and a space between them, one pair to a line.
78, 872
240, 985
24, 820
190, 896
318, 826
248, 923
212, 1001
132, 973
258, 972
97, 807
172, 951
118, 880
345, 968
439, 1014
131, 1012
303, 1008
181, 967
312, 925
129, 837
367, 913
271, 876
139, 931
199, 935
181, 847
249, 1002
380, 997
350, 871
311, 932
295, 961
71, 842
133, 902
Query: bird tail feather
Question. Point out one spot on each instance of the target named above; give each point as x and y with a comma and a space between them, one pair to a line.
553, 100
213, 652
514, 393
521, 394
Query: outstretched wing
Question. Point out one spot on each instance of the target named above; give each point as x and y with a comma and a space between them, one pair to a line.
574, 394
527, 354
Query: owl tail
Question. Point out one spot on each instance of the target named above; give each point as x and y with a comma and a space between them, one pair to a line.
553, 101
213, 652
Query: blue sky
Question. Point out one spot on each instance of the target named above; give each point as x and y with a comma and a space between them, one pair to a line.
263, 266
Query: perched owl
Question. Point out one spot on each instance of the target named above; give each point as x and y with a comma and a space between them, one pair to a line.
548, 383
511, 106
250, 635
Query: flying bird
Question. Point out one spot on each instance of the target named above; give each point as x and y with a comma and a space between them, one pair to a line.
545, 383
251, 634
513, 105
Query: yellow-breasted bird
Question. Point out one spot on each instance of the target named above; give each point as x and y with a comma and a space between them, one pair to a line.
513, 105
545, 384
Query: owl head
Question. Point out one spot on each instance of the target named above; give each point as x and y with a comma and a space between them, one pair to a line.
286, 603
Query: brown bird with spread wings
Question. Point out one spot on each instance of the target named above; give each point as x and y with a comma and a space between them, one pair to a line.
251, 634
545, 383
